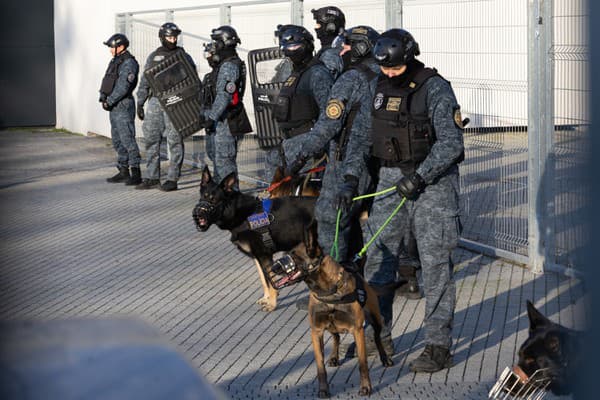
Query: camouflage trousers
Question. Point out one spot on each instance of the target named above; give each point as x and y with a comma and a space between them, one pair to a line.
326, 210
433, 219
221, 149
157, 125
122, 133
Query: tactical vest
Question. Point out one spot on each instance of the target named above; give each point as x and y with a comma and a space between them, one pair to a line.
342, 139
296, 112
403, 133
235, 113
112, 74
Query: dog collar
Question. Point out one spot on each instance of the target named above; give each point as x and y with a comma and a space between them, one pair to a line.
359, 294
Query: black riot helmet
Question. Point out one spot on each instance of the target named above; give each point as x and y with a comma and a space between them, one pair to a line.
331, 20
117, 40
168, 29
225, 37
296, 43
361, 39
395, 47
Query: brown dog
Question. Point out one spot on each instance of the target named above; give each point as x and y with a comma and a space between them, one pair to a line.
340, 300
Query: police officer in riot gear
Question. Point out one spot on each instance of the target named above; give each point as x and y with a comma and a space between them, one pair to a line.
329, 23
116, 96
156, 122
348, 112
225, 118
209, 93
303, 95
417, 137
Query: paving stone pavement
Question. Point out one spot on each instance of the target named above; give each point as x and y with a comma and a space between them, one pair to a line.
73, 245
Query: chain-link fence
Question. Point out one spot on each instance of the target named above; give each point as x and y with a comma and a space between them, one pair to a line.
484, 48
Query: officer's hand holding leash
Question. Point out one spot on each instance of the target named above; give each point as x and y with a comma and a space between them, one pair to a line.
295, 167
410, 186
140, 111
346, 192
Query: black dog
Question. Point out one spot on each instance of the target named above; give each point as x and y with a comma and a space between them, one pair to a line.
554, 351
256, 231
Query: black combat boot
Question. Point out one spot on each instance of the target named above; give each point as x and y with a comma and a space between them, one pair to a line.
432, 359
122, 176
135, 178
148, 184
410, 289
168, 186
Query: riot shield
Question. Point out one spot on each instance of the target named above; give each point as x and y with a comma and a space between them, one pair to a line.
268, 70
176, 85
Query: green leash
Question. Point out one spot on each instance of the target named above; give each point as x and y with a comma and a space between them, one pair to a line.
361, 253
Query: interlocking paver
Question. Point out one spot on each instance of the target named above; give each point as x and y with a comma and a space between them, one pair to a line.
75, 246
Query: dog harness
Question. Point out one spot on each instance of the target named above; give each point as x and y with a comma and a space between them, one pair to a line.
359, 294
260, 222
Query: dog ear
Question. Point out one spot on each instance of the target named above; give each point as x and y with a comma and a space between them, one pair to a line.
536, 318
311, 240
229, 182
278, 175
206, 178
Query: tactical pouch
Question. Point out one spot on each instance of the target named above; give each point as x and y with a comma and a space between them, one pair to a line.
108, 83
281, 111
239, 123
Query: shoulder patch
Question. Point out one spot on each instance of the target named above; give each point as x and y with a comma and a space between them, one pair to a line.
230, 87
458, 121
334, 109
130, 78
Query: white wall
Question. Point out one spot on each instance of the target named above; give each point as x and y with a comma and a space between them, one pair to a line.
80, 27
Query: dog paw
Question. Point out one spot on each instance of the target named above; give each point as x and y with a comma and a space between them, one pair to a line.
262, 301
323, 394
333, 362
364, 391
267, 307
387, 361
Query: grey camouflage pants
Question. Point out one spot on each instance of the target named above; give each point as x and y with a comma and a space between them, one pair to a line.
433, 218
156, 125
122, 132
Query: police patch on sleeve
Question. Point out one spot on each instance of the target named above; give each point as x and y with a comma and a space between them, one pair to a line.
130, 78
230, 87
458, 118
334, 109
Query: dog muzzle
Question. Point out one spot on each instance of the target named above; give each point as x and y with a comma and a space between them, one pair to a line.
515, 384
204, 214
284, 272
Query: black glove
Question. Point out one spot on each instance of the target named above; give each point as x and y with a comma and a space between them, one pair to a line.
346, 192
106, 106
209, 125
410, 186
295, 166
102, 98
140, 111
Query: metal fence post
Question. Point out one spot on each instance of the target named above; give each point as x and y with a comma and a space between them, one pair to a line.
225, 15
540, 134
393, 14
297, 12
121, 23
